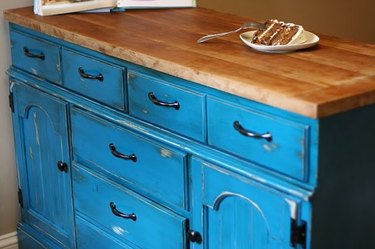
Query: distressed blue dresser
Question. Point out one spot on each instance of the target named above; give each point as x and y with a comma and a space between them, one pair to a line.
124, 140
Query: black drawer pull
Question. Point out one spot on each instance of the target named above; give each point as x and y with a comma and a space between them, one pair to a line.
120, 214
81, 72
114, 152
27, 52
267, 136
154, 100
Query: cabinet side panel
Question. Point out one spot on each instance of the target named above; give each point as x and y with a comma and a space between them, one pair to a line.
343, 205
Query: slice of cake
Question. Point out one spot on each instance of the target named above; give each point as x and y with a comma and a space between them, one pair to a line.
279, 33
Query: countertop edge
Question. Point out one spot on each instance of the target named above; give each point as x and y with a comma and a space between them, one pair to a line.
288, 103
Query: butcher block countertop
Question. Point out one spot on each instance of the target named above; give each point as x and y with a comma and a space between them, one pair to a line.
332, 77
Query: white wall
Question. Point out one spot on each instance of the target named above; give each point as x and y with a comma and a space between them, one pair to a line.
9, 208
349, 19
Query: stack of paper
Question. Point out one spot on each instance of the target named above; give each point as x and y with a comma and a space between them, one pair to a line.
155, 3
54, 7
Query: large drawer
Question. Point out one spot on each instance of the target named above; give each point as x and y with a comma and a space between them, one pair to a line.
266, 140
36, 56
89, 237
151, 167
164, 104
96, 79
126, 215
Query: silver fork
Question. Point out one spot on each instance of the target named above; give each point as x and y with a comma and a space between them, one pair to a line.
247, 25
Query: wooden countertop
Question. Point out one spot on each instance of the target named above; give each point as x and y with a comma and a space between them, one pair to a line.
332, 77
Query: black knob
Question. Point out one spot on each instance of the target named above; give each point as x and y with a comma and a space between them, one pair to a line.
194, 236
63, 167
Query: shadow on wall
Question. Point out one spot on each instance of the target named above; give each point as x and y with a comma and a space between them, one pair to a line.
9, 207
348, 19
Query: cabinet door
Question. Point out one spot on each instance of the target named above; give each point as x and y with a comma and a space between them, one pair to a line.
40, 124
240, 213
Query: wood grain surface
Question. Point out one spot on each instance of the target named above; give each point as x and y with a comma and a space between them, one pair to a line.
332, 77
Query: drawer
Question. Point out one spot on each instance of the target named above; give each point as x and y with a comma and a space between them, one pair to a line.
269, 141
150, 167
126, 215
98, 80
89, 236
166, 105
36, 56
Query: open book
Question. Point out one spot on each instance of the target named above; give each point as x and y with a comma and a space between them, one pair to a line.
54, 7
155, 3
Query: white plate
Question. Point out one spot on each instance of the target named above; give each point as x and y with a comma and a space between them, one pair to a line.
311, 40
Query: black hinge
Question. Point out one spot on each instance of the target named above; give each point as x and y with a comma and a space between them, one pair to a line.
20, 198
11, 102
298, 234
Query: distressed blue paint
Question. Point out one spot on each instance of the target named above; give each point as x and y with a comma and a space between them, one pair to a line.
242, 214
286, 153
187, 120
93, 195
162, 166
110, 91
193, 168
90, 236
48, 68
31, 239
42, 121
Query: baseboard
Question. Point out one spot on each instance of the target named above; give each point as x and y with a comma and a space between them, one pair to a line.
9, 241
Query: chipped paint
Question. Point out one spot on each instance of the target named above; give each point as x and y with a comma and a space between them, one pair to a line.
270, 147
118, 230
34, 71
11, 86
166, 153
31, 154
293, 208
145, 111
36, 129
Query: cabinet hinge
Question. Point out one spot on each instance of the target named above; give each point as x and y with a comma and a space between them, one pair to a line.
298, 234
20, 197
11, 101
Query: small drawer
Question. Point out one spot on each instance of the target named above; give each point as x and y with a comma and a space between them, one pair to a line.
98, 80
166, 105
144, 164
263, 139
36, 56
124, 214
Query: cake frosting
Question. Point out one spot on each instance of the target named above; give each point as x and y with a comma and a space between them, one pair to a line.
279, 33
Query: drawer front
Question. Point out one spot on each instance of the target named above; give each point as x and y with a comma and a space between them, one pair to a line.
166, 105
272, 142
36, 56
89, 236
95, 79
126, 215
155, 169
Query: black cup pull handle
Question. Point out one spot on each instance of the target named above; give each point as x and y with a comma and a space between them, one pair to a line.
154, 100
238, 127
30, 54
131, 216
114, 152
83, 74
